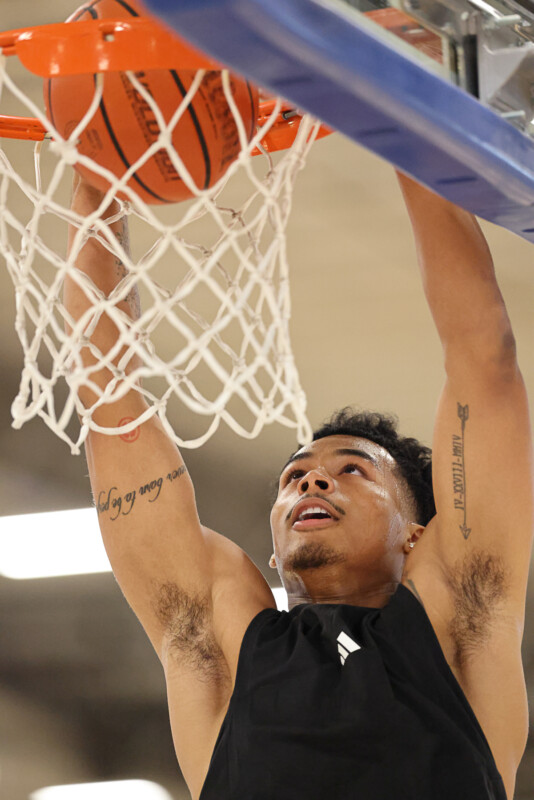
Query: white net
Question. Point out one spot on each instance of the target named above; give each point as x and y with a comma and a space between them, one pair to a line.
212, 340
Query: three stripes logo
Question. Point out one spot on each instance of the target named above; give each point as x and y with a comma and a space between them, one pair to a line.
346, 646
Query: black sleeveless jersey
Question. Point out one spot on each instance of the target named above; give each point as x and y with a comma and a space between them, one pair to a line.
338, 702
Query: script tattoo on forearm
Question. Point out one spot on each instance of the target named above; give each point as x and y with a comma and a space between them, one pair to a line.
120, 505
458, 470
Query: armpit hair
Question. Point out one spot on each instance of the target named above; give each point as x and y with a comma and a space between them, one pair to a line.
187, 622
478, 585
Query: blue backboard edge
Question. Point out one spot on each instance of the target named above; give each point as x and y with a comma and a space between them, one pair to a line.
306, 52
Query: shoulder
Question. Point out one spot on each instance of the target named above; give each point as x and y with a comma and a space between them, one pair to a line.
205, 629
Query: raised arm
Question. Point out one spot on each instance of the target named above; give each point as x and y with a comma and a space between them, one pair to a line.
167, 564
142, 490
480, 541
482, 448
193, 590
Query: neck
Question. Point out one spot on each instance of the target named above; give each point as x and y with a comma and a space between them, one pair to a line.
375, 598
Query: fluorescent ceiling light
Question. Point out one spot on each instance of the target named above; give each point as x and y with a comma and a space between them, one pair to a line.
61, 543
108, 790
51, 544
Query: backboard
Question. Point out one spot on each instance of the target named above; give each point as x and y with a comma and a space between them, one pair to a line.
442, 89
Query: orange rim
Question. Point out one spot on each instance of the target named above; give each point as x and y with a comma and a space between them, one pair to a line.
75, 48
285, 127
104, 45
22, 128
281, 135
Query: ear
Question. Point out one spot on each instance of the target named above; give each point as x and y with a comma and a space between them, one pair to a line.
272, 562
414, 531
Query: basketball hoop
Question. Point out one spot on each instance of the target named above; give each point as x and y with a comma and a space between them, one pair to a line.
234, 363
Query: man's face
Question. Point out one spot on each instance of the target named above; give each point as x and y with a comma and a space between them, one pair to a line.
339, 522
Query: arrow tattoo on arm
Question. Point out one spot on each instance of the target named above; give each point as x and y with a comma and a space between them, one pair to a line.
458, 469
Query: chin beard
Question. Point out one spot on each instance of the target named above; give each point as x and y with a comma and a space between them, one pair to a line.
312, 555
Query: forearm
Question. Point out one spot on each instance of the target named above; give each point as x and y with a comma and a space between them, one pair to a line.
106, 270
458, 274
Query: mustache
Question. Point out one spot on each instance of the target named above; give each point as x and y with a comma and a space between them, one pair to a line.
319, 497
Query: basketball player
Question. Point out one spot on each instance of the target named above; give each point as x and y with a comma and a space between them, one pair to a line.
397, 672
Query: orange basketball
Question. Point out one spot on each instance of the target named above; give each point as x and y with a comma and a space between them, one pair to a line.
124, 125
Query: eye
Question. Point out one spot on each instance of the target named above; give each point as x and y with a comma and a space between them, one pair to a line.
296, 473
352, 467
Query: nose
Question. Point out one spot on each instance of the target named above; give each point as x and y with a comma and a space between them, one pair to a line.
315, 479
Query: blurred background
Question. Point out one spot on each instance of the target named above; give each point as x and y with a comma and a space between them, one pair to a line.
82, 695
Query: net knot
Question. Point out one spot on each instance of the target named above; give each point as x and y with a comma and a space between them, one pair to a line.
165, 140
66, 151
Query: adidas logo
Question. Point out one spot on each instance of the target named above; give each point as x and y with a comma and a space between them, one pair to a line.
346, 646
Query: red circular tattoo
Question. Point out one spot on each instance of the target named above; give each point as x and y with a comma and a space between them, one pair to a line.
131, 436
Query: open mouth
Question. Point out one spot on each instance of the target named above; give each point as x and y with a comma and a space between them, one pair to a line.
313, 517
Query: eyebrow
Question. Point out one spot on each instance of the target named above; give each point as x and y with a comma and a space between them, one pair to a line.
342, 451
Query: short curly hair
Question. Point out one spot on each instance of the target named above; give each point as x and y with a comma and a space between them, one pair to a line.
413, 459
